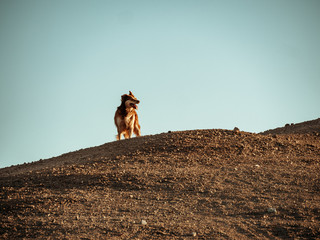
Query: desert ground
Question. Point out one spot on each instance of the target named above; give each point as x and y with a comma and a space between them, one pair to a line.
199, 184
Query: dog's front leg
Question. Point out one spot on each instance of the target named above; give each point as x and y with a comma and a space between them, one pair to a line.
130, 131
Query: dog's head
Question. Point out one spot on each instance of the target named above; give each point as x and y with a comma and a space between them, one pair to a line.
130, 100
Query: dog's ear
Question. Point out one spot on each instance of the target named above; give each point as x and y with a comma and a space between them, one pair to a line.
130, 93
122, 97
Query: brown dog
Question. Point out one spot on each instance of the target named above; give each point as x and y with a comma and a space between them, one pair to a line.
126, 117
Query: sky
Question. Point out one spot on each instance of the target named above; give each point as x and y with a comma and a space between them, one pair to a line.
193, 64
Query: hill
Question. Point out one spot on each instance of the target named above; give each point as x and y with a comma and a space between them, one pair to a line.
200, 184
312, 126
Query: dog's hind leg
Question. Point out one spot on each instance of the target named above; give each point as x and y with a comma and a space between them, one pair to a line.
136, 127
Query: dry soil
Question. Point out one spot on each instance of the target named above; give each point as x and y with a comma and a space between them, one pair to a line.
200, 184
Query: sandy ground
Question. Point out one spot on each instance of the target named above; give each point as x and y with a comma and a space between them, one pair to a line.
201, 184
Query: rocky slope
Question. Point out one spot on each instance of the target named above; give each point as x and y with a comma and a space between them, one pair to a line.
201, 184
312, 126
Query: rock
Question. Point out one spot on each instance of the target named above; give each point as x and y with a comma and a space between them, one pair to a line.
272, 210
143, 222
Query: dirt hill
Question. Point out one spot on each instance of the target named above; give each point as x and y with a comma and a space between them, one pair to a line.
312, 126
201, 184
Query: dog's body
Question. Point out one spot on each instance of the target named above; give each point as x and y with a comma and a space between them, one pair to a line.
126, 117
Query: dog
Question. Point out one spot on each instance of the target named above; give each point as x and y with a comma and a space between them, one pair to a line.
126, 117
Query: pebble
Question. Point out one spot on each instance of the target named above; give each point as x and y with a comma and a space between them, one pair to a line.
272, 210
143, 222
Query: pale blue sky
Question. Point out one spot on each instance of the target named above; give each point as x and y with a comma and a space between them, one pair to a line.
198, 64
